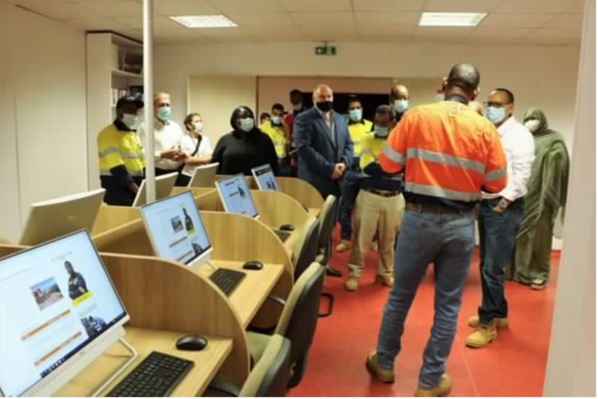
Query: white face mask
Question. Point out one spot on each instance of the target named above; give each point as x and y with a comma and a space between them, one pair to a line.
130, 120
532, 125
198, 127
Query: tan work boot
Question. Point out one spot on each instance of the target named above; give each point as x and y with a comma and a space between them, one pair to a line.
374, 368
345, 245
501, 322
483, 336
374, 246
351, 284
443, 389
385, 280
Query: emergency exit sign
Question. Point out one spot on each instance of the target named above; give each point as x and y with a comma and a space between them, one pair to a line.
325, 50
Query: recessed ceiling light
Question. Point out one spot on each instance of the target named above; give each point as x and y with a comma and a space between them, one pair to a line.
204, 21
451, 18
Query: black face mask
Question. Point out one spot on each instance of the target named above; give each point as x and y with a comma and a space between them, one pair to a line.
324, 106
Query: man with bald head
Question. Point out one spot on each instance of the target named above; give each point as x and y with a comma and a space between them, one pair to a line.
324, 144
399, 100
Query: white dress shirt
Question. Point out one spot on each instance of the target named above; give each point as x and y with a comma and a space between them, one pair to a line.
520, 148
189, 144
168, 135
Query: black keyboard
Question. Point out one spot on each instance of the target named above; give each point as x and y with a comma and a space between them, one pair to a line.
156, 376
227, 280
283, 235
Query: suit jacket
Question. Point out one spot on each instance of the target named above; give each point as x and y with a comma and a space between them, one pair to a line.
319, 151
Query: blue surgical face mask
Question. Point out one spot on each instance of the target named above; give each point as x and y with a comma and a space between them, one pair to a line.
246, 124
496, 114
381, 131
277, 120
164, 113
401, 106
356, 114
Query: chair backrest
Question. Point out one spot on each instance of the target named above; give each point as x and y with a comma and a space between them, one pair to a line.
300, 315
327, 219
306, 248
270, 376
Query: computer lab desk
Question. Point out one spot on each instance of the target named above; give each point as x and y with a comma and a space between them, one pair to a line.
300, 190
207, 363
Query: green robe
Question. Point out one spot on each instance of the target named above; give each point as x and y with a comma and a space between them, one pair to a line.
547, 193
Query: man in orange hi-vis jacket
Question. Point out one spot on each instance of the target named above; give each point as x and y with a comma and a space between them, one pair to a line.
449, 155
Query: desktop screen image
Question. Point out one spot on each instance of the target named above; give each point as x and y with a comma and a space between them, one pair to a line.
265, 178
54, 300
176, 228
236, 196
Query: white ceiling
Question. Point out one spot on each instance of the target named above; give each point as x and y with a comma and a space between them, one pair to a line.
544, 22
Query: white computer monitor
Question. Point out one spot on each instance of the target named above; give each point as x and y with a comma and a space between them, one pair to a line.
236, 196
164, 185
265, 179
51, 219
176, 230
59, 311
204, 176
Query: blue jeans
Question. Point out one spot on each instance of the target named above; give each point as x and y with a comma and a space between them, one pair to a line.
349, 191
448, 241
498, 233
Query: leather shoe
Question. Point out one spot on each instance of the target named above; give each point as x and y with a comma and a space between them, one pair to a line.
443, 389
386, 376
333, 272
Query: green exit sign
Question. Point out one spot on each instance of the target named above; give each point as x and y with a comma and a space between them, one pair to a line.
326, 50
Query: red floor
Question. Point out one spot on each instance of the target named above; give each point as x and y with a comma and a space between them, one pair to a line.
514, 365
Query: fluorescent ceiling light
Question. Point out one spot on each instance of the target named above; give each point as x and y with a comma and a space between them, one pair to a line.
204, 21
451, 18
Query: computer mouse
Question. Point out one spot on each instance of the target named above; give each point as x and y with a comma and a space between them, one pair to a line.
191, 343
253, 265
287, 227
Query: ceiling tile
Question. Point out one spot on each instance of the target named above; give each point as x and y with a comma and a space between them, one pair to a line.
328, 31
137, 22
323, 18
60, 10
385, 30
97, 23
506, 21
271, 30
316, 5
533, 6
461, 5
387, 18
118, 9
185, 7
253, 6
578, 6
488, 32
285, 38
263, 19
566, 21
26, 3
131, 33
428, 31
388, 5
556, 34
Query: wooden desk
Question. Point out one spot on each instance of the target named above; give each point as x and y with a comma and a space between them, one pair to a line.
251, 293
207, 363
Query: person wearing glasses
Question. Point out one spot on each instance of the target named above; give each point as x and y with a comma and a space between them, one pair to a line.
500, 218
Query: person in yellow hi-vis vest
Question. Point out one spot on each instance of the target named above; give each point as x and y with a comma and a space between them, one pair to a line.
122, 158
280, 138
379, 207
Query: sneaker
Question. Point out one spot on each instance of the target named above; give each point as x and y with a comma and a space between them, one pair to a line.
501, 322
377, 371
538, 284
351, 285
443, 389
345, 245
483, 336
385, 280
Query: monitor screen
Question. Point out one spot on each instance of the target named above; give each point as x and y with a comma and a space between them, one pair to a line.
265, 178
176, 229
55, 300
236, 196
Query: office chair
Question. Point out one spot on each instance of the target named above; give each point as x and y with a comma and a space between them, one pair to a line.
327, 219
306, 247
298, 321
269, 377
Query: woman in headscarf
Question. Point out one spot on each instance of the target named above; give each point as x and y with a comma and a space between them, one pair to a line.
547, 193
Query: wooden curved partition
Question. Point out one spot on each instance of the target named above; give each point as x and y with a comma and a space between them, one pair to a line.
9, 249
110, 217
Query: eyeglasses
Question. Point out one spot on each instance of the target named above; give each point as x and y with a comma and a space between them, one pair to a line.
494, 104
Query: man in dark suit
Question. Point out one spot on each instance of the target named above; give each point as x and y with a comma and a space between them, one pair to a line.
324, 146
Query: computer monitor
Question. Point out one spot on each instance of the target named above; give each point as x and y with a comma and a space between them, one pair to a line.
51, 219
59, 311
204, 176
164, 185
236, 196
265, 179
176, 230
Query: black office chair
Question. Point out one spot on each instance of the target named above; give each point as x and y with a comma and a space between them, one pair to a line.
306, 248
269, 377
328, 217
298, 321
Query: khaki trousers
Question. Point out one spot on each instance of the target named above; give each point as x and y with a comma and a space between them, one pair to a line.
375, 213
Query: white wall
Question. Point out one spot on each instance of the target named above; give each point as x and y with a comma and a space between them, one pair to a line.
544, 76
44, 137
